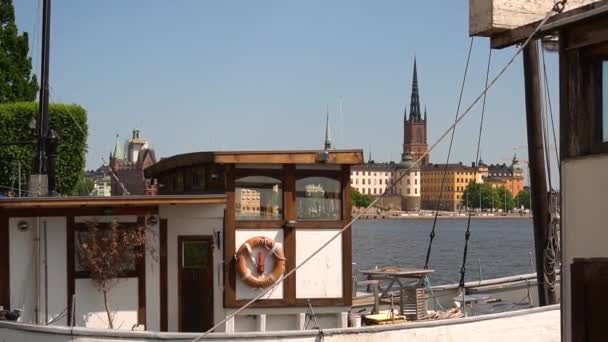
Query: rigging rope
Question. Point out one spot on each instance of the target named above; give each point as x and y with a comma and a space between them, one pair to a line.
550, 110
467, 234
388, 189
445, 170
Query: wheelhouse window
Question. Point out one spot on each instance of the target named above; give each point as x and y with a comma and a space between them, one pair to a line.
318, 198
258, 198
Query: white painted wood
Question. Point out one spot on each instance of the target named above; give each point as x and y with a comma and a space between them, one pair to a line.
230, 325
301, 320
584, 233
261, 322
190, 220
533, 325
343, 319
152, 278
122, 299
22, 268
491, 16
244, 291
321, 277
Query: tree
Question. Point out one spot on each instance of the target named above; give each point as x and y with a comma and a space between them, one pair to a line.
70, 123
358, 199
505, 198
16, 80
474, 191
523, 199
108, 252
84, 186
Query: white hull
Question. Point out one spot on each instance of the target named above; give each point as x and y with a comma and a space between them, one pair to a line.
536, 324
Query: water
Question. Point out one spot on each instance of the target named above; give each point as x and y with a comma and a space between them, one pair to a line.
502, 245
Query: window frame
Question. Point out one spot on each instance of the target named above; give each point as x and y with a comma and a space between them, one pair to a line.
272, 173
334, 175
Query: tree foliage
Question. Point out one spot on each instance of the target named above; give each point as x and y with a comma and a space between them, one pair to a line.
107, 253
70, 123
358, 199
522, 199
16, 80
491, 198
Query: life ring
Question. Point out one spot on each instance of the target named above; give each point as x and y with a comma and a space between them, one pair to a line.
245, 252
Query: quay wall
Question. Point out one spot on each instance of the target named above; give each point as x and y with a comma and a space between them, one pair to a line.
538, 324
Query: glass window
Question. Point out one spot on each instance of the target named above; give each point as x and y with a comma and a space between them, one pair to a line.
318, 198
605, 101
194, 253
258, 198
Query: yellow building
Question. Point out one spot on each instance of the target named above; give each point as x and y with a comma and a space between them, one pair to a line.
457, 177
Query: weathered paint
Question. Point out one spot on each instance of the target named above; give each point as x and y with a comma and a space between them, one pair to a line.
321, 277
584, 233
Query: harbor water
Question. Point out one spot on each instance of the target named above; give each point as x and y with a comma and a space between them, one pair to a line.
502, 246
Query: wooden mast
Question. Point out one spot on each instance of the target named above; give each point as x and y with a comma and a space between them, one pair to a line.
536, 155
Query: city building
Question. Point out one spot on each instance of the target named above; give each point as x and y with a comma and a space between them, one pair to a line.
128, 171
407, 177
101, 181
502, 175
414, 128
455, 178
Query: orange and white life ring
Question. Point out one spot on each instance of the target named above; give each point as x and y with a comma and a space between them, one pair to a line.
245, 252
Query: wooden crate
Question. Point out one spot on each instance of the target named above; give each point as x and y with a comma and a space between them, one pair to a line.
489, 17
414, 304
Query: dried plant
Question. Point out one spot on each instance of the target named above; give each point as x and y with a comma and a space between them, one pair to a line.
108, 252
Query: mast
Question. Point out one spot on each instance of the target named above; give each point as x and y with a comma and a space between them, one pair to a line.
538, 183
44, 163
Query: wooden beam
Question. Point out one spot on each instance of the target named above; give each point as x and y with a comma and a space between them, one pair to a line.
118, 201
521, 33
490, 17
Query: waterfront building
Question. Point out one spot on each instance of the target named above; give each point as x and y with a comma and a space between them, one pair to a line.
451, 197
128, 171
502, 175
414, 127
407, 176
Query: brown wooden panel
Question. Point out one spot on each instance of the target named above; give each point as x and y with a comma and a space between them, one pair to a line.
289, 234
164, 321
346, 238
259, 224
141, 284
229, 243
5, 291
195, 289
70, 265
88, 211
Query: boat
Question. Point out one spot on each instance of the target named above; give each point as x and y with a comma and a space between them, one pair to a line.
219, 209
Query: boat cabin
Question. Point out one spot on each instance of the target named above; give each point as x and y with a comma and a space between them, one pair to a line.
224, 227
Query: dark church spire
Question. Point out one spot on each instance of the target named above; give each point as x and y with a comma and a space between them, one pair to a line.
415, 100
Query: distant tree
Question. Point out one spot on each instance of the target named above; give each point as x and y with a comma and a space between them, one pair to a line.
84, 186
16, 80
475, 191
107, 252
523, 199
505, 199
358, 199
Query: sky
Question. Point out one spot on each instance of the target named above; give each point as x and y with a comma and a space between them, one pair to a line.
198, 75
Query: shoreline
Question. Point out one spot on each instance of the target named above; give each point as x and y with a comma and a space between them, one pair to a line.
442, 216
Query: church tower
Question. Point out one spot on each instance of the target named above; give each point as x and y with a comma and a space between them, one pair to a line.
414, 128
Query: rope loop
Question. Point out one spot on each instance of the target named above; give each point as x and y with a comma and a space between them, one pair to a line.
559, 6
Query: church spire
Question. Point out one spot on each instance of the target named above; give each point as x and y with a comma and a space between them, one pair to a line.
327, 132
118, 154
415, 99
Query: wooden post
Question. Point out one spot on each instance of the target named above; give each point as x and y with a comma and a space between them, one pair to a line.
538, 183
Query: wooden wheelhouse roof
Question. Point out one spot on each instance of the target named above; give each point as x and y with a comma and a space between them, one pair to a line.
105, 202
339, 157
553, 24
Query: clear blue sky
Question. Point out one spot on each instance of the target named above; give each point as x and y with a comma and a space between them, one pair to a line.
209, 75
